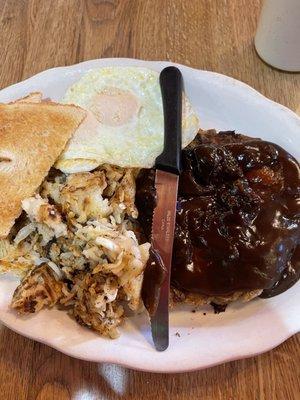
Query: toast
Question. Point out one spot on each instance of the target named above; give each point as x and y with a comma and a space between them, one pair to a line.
32, 136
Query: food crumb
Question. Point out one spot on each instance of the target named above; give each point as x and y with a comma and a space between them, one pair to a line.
218, 308
177, 334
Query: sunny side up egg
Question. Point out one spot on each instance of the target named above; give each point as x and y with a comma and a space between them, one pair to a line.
124, 124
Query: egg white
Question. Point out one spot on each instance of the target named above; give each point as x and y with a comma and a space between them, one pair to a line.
136, 142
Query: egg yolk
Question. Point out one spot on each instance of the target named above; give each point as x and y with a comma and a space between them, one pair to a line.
114, 107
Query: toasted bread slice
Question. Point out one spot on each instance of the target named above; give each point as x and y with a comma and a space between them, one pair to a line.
32, 136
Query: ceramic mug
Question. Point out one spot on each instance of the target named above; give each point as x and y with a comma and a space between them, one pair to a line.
277, 39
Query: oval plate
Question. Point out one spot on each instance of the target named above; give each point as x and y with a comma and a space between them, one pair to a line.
196, 340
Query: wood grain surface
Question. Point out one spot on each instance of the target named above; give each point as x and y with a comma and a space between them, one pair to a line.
210, 34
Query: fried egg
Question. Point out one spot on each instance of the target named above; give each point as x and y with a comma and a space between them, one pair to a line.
124, 125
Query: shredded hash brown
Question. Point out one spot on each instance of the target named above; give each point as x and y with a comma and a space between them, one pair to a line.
75, 248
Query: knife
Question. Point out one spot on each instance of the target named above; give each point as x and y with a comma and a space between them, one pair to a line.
168, 167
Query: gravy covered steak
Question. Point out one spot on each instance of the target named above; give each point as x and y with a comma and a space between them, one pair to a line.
238, 221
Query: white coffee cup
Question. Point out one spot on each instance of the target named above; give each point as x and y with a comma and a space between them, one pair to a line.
277, 39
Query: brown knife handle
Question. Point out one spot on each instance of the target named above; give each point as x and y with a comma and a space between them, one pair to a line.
171, 89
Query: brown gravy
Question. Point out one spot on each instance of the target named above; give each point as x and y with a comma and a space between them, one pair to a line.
238, 217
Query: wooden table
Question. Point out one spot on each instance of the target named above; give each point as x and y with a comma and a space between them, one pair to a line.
209, 34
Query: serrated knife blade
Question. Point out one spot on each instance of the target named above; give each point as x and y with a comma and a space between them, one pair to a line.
166, 185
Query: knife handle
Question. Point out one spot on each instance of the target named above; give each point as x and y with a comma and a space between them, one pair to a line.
170, 80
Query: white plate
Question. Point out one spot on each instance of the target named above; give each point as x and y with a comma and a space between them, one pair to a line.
202, 340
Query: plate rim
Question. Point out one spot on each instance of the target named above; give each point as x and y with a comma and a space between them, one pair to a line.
234, 81
160, 367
